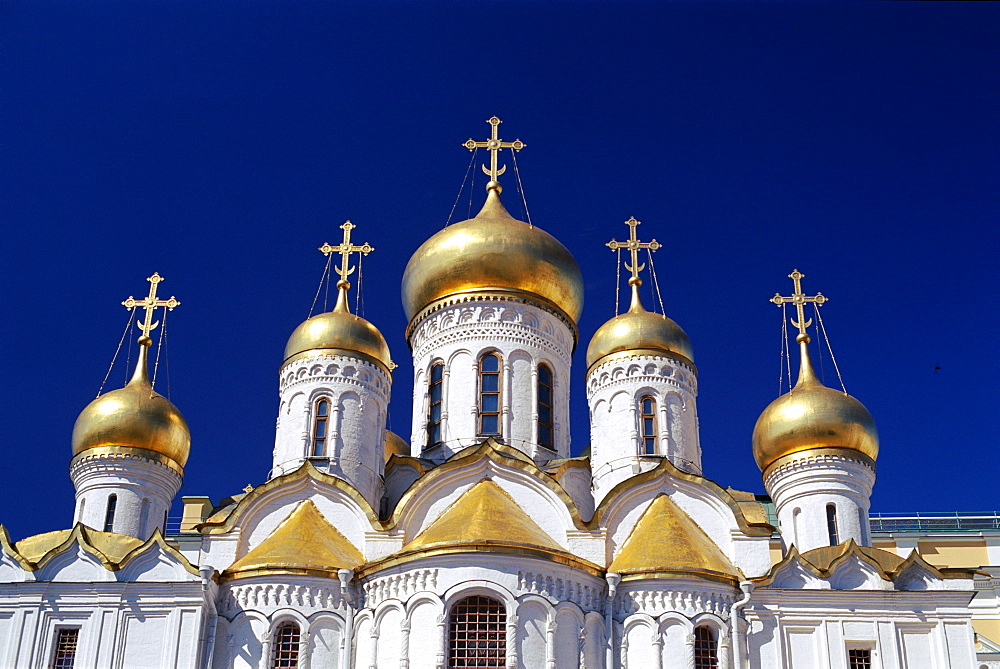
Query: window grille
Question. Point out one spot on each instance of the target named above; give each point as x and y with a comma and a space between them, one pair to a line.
859, 658
435, 391
544, 406
65, 653
489, 395
320, 426
648, 423
706, 649
285, 647
109, 515
831, 524
477, 635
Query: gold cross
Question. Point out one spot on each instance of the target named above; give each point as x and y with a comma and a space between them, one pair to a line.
150, 304
345, 250
799, 299
493, 145
633, 245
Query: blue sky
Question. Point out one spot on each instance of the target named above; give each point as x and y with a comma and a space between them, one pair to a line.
220, 143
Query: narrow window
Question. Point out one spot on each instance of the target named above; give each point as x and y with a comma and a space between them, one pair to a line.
859, 658
320, 426
109, 515
489, 395
143, 517
831, 524
706, 649
647, 405
435, 395
65, 653
477, 635
285, 646
544, 406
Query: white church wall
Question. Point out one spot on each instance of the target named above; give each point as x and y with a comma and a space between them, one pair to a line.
388, 628
358, 392
323, 644
614, 388
904, 630
121, 624
532, 624
524, 336
425, 614
547, 605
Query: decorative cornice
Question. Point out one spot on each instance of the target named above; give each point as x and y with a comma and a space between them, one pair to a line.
487, 294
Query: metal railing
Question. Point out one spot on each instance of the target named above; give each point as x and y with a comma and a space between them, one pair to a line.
934, 522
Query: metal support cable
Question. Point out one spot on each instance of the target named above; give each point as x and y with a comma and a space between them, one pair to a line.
656, 282
322, 278
829, 348
128, 323
461, 188
520, 187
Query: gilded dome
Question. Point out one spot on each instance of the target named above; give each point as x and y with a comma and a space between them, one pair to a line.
338, 330
812, 416
134, 419
395, 445
493, 252
638, 330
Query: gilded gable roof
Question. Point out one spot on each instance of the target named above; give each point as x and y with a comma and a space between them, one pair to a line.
666, 542
305, 542
484, 514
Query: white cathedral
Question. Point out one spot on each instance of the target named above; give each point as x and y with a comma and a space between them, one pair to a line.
482, 543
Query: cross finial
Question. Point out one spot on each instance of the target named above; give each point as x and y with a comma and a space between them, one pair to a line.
633, 245
345, 249
799, 299
150, 304
493, 145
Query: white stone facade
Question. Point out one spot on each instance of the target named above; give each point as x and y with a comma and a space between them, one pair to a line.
358, 392
143, 490
805, 488
458, 333
614, 390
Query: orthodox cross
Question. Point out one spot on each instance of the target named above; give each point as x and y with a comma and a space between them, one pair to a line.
633, 245
345, 250
799, 299
150, 304
493, 145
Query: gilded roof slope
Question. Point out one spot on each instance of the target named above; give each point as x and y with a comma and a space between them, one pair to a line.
666, 541
304, 542
111, 545
484, 514
113, 550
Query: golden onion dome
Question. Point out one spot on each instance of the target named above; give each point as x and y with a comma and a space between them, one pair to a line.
639, 331
493, 252
811, 417
134, 419
395, 445
339, 331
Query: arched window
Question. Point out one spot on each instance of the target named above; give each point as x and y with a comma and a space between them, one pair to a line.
706, 648
544, 406
321, 426
109, 515
435, 393
489, 395
647, 423
477, 633
285, 646
831, 524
